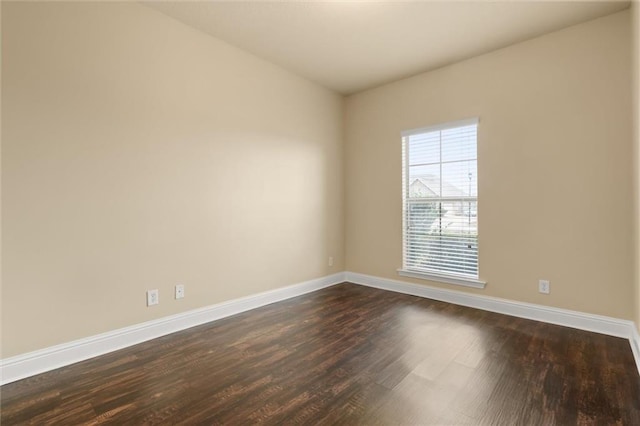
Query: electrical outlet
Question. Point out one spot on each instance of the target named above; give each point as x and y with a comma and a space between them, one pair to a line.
544, 286
330, 261
153, 297
179, 291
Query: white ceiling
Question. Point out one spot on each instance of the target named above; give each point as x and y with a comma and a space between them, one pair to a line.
355, 45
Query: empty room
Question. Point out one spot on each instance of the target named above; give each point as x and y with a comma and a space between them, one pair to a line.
320, 212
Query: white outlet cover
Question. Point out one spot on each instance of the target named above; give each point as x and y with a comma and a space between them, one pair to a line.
543, 286
179, 291
153, 297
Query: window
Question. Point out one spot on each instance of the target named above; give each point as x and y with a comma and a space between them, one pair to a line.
440, 203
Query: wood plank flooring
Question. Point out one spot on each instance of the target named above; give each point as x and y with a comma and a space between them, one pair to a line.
346, 355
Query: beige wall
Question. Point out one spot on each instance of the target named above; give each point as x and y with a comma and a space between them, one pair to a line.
139, 153
635, 55
1, 339
555, 166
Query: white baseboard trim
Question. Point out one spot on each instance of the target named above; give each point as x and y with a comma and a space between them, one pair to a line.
580, 320
634, 341
32, 363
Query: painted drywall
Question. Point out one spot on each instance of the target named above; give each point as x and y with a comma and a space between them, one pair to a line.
554, 164
139, 153
1, 181
635, 55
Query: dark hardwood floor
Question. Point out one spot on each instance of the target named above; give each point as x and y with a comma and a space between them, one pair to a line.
346, 355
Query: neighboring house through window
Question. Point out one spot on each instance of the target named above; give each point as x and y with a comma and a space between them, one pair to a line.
440, 203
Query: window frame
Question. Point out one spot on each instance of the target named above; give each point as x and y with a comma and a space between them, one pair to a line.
433, 275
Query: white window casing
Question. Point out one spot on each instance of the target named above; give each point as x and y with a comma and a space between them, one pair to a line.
440, 203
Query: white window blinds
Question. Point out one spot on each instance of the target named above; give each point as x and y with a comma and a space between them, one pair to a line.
440, 199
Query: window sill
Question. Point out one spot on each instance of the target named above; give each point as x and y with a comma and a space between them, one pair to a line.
443, 278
